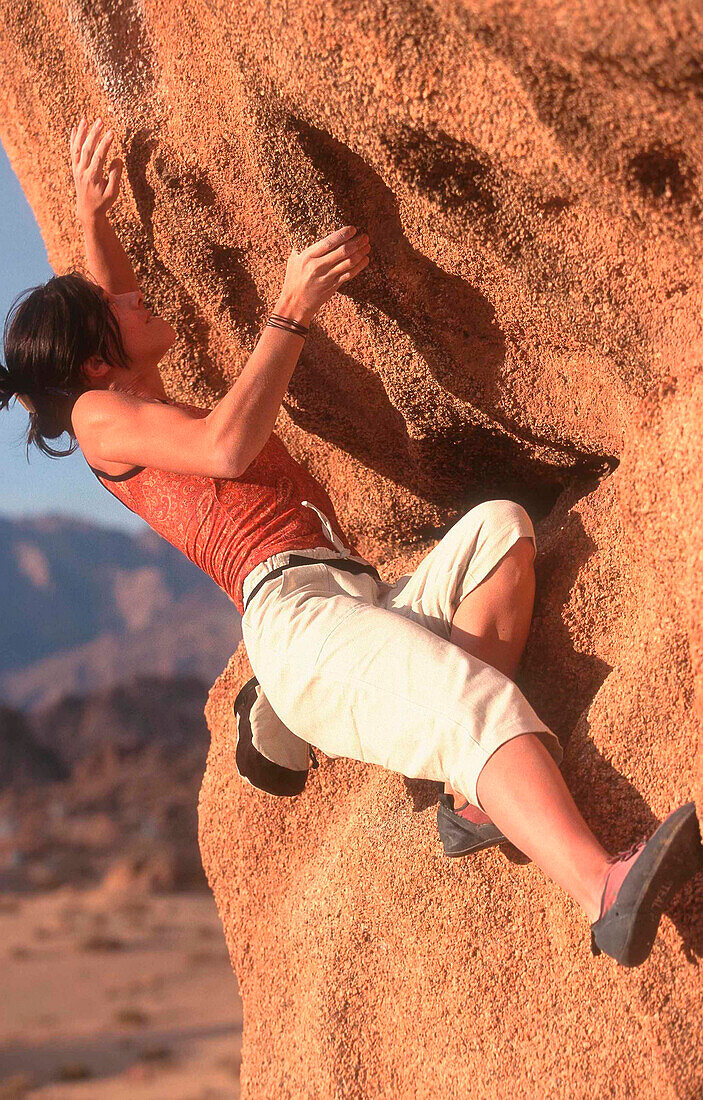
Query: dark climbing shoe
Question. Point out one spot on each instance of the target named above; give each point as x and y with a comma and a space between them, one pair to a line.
460, 837
641, 882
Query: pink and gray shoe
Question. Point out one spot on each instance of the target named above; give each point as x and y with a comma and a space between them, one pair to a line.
641, 882
465, 829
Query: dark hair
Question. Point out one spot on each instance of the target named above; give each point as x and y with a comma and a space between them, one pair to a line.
48, 336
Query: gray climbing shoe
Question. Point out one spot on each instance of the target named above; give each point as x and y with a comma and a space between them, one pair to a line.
461, 837
640, 884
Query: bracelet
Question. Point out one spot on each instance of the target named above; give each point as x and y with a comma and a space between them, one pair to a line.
296, 324
288, 324
286, 328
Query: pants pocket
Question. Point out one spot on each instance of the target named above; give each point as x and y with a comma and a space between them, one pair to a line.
314, 577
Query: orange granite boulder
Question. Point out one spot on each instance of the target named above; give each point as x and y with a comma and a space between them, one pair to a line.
529, 326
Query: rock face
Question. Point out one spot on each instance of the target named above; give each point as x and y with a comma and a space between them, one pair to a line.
529, 326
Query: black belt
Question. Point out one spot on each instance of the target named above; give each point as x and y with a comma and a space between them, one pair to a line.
349, 564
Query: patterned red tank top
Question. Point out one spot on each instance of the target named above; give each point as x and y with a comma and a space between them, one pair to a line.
226, 526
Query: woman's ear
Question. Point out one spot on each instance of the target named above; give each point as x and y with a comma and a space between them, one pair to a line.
95, 368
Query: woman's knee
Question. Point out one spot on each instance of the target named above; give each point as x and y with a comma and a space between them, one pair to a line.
500, 514
521, 555
515, 570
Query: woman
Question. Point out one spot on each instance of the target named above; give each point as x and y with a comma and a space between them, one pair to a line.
416, 675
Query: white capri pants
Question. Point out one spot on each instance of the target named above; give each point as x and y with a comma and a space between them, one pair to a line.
365, 670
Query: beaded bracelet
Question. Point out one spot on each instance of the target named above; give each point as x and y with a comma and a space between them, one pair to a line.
288, 324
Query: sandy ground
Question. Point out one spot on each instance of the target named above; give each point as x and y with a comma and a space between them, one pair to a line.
108, 998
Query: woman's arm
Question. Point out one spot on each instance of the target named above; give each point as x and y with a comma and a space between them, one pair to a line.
243, 420
111, 426
108, 262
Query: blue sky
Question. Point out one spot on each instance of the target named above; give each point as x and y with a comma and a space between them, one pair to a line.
41, 485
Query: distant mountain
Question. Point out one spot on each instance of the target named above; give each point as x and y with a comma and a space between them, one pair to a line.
23, 760
110, 642
127, 717
84, 607
105, 785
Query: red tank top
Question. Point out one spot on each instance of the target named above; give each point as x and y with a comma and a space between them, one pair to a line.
226, 526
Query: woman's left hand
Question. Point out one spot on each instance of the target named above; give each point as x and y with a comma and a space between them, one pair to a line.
94, 194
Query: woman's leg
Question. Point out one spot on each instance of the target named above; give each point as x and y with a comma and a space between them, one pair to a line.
524, 793
520, 787
492, 622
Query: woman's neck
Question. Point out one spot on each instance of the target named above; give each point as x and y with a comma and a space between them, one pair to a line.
138, 381
149, 393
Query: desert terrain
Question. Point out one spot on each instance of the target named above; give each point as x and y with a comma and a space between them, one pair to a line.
109, 995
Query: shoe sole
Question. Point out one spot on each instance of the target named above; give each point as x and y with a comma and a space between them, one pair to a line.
478, 846
629, 928
511, 853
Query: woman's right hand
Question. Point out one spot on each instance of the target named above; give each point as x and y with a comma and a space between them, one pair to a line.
316, 273
94, 194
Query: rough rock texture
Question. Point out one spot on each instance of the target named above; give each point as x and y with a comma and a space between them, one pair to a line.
529, 326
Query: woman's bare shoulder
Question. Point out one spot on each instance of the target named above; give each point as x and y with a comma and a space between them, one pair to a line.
101, 402
88, 417
116, 422
91, 407
92, 403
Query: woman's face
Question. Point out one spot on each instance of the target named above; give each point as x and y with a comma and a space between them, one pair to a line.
146, 336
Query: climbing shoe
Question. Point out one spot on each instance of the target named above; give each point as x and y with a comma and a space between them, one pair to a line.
460, 837
641, 882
